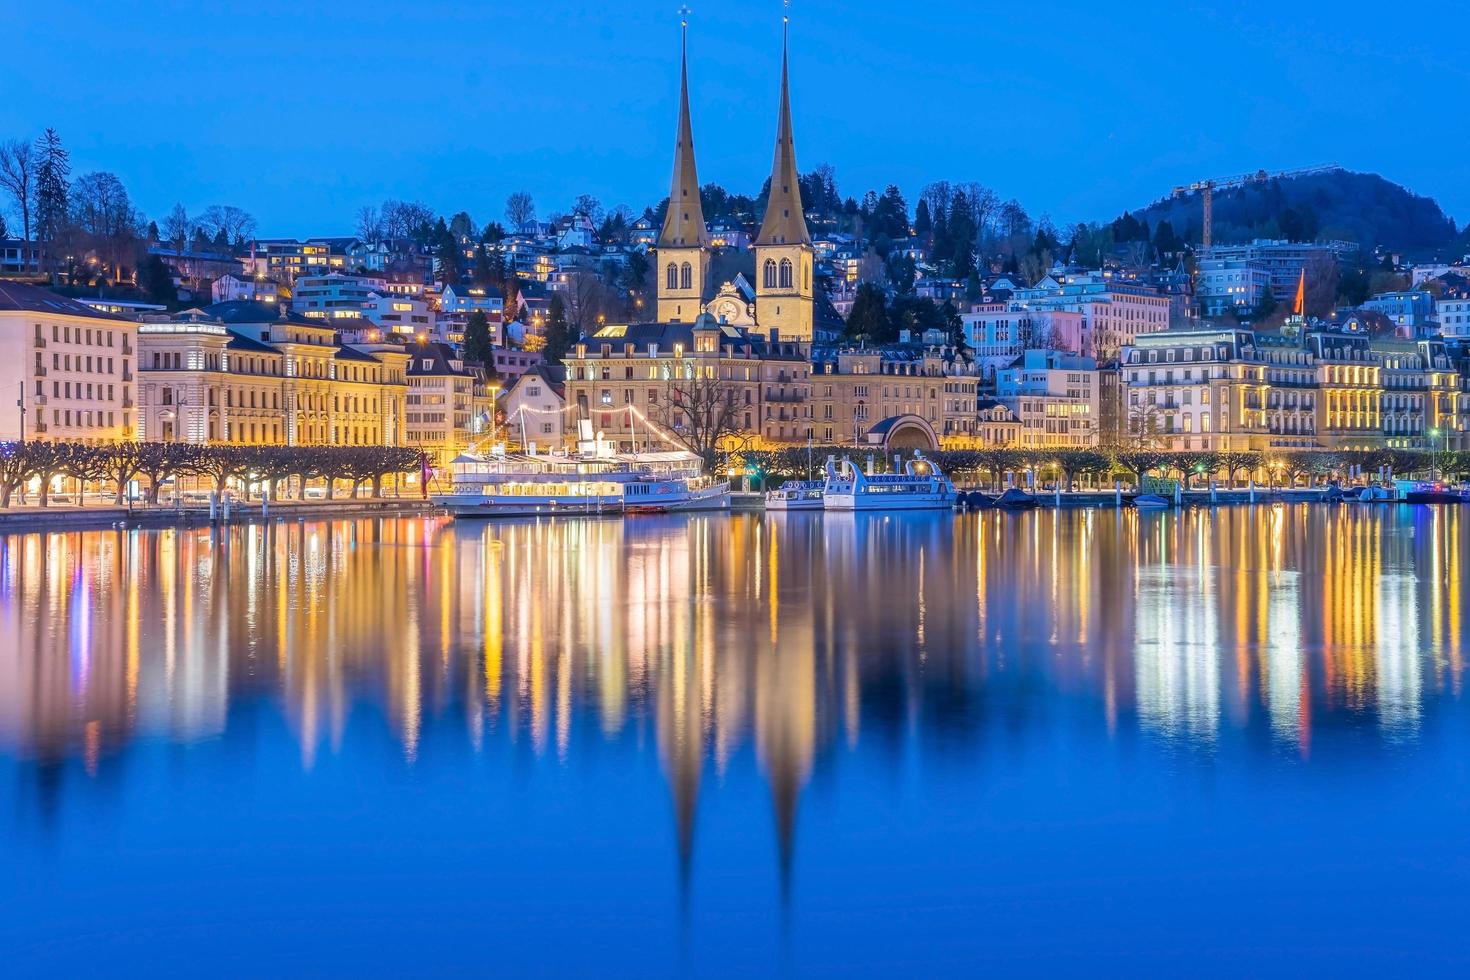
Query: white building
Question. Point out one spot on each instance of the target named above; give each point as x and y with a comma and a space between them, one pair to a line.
407, 316
1230, 286
534, 406
1453, 313
69, 366
230, 287
335, 295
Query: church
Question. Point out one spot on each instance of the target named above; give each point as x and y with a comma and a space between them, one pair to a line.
780, 301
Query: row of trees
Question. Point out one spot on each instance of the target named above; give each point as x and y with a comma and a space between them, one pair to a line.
1105, 464
116, 465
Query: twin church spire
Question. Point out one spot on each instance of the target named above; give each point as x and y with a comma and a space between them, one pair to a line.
684, 222
783, 254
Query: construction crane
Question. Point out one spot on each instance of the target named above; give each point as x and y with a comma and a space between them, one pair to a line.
1207, 190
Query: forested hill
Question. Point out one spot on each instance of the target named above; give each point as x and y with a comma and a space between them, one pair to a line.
1338, 204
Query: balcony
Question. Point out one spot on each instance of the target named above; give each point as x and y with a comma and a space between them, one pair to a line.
40, 399
39, 426
787, 397
40, 343
127, 402
40, 370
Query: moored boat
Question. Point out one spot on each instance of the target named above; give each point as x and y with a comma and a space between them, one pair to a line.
921, 486
593, 480
796, 495
1150, 501
1427, 492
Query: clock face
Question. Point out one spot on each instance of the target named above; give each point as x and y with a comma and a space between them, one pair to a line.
729, 310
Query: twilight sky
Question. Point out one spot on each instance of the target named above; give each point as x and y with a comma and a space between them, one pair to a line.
302, 112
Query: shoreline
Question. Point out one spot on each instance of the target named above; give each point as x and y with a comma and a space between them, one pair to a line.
31, 519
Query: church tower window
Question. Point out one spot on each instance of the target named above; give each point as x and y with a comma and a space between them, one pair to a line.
768, 274
671, 279
686, 276
785, 273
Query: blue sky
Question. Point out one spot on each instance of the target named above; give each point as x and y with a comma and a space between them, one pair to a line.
303, 112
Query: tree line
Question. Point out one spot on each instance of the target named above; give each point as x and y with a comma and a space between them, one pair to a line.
117, 465
1274, 468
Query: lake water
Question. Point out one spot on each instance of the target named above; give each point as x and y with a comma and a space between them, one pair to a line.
1091, 742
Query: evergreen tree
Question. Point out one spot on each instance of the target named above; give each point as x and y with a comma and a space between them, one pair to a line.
559, 334
868, 319
962, 236
477, 343
53, 173
923, 224
157, 282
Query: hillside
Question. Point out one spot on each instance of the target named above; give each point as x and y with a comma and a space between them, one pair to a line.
1339, 204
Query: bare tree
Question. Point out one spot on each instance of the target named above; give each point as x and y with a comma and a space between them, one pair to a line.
105, 218
701, 411
177, 228
407, 219
589, 206
369, 224
18, 178
227, 222
1322, 277
519, 208
587, 298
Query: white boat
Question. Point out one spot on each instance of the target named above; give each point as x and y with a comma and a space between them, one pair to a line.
593, 480
921, 486
796, 495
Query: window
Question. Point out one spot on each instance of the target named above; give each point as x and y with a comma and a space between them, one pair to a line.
785, 273
768, 274
686, 276
671, 276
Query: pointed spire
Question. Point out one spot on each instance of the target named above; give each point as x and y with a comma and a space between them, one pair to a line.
784, 223
684, 222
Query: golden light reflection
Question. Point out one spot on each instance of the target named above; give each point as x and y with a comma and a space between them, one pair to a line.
798, 636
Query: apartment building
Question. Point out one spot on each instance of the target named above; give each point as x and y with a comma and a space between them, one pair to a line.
66, 369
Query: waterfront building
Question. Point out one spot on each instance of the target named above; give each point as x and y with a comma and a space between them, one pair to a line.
855, 389
66, 369
1228, 389
677, 376
1056, 397
449, 404
534, 407
996, 425
248, 373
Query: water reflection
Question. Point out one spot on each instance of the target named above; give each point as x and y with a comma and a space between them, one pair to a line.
801, 637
